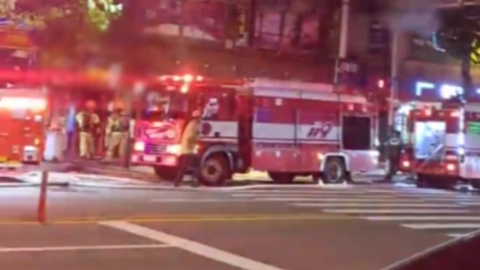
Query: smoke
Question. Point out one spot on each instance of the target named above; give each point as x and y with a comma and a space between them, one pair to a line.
415, 16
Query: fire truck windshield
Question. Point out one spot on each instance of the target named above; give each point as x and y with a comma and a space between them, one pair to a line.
167, 105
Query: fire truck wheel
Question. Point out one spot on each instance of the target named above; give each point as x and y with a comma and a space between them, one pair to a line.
281, 177
214, 171
165, 173
334, 171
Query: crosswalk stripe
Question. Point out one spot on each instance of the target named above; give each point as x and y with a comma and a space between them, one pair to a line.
472, 203
466, 200
352, 200
396, 211
433, 226
313, 196
422, 218
411, 190
457, 235
297, 191
380, 205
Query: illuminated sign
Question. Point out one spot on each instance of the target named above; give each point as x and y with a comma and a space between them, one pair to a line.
445, 91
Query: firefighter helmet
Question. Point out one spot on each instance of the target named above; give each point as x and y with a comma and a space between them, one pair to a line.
115, 105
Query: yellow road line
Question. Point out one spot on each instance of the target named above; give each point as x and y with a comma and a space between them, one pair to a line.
180, 219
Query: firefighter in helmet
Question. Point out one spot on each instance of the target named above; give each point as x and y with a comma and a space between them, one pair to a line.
394, 149
188, 145
88, 122
116, 131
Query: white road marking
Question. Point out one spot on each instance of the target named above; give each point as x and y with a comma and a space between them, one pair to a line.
432, 226
352, 200
470, 203
313, 192
199, 200
271, 186
361, 199
78, 248
423, 218
310, 196
457, 235
396, 211
412, 190
191, 246
380, 205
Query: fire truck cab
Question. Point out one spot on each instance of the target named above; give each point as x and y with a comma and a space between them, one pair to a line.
443, 145
281, 127
22, 117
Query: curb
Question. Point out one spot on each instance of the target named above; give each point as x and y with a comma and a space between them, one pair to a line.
17, 185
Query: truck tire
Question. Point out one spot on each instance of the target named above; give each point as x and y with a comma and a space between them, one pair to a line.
334, 171
281, 177
166, 173
214, 171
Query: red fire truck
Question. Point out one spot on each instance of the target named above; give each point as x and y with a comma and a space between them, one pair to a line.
284, 128
22, 117
443, 145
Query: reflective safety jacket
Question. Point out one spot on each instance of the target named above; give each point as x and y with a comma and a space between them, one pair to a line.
189, 138
87, 121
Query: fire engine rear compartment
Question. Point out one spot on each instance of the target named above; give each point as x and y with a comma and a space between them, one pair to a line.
433, 147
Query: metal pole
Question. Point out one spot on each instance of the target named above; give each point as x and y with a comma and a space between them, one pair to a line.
181, 31
42, 199
394, 62
342, 54
344, 25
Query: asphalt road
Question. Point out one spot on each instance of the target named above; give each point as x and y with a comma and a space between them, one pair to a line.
365, 227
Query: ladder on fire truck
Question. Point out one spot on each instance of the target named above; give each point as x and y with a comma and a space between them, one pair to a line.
434, 154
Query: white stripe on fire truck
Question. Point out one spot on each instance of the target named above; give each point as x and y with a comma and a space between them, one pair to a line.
291, 141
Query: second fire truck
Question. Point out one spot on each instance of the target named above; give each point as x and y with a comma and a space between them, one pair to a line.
443, 145
284, 128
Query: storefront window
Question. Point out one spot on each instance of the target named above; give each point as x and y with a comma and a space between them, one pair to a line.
473, 128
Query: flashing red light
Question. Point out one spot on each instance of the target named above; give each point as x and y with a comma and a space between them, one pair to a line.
381, 83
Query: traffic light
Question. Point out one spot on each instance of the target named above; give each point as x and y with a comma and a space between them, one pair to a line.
381, 84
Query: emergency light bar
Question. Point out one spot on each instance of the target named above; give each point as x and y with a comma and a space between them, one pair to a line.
186, 78
23, 103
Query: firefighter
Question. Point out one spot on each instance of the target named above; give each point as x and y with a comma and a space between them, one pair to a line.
394, 145
188, 145
88, 122
116, 132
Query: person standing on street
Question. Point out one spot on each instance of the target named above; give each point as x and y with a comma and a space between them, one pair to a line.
88, 122
394, 150
115, 133
188, 145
